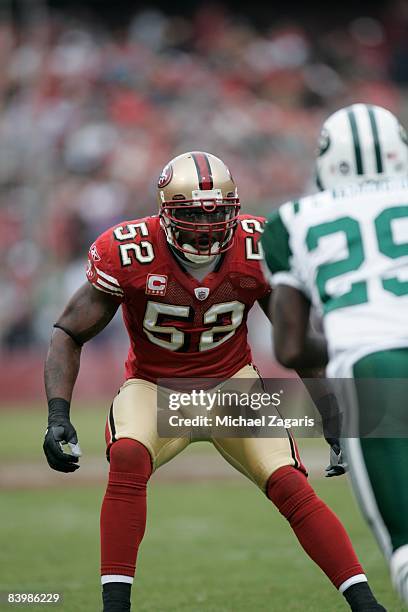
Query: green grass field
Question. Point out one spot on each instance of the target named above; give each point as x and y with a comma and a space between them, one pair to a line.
209, 546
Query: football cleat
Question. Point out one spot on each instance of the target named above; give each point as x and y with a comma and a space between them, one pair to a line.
360, 143
399, 571
199, 205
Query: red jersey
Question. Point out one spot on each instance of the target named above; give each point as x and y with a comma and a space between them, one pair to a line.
180, 327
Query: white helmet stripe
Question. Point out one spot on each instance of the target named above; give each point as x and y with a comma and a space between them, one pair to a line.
356, 141
376, 139
366, 135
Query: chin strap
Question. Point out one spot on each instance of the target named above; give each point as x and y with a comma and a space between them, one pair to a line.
199, 260
185, 260
196, 258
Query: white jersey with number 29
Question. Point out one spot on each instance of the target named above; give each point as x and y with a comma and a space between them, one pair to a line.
347, 250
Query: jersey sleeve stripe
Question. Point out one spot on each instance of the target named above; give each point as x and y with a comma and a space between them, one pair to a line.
104, 285
107, 277
106, 290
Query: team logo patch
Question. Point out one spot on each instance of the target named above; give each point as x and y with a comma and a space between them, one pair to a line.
90, 270
156, 284
94, 253
403, 134
344, 168
201, 293
165, 177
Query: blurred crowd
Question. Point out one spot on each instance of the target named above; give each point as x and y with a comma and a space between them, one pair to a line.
90, 115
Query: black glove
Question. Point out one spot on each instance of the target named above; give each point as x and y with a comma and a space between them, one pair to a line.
60, 431
338, 465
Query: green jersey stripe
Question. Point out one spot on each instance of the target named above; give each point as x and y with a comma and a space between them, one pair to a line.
356, 141
376, 139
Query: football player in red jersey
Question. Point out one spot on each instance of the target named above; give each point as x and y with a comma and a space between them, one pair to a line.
185, 279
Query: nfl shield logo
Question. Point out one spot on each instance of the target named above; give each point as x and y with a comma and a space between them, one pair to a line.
201, 293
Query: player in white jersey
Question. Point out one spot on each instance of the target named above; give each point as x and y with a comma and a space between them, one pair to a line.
344, 252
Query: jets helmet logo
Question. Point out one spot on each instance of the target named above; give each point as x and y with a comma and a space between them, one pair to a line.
403, 134
324, 142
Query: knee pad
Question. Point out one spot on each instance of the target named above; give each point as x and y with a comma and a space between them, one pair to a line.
130, 456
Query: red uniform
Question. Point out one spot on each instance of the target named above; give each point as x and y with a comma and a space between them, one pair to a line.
183, 328
178, 326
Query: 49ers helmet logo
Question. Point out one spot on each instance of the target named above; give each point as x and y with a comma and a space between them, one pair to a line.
166, 176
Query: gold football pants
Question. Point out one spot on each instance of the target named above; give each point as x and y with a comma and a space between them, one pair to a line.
134, 415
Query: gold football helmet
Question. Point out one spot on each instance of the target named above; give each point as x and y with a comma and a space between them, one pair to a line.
199, 205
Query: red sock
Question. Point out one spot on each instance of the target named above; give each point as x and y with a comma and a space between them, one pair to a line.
123, 513
317, 528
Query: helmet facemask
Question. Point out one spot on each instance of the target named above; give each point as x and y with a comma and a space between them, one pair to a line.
201, 227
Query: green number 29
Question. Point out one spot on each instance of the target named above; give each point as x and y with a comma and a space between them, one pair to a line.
357, 293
